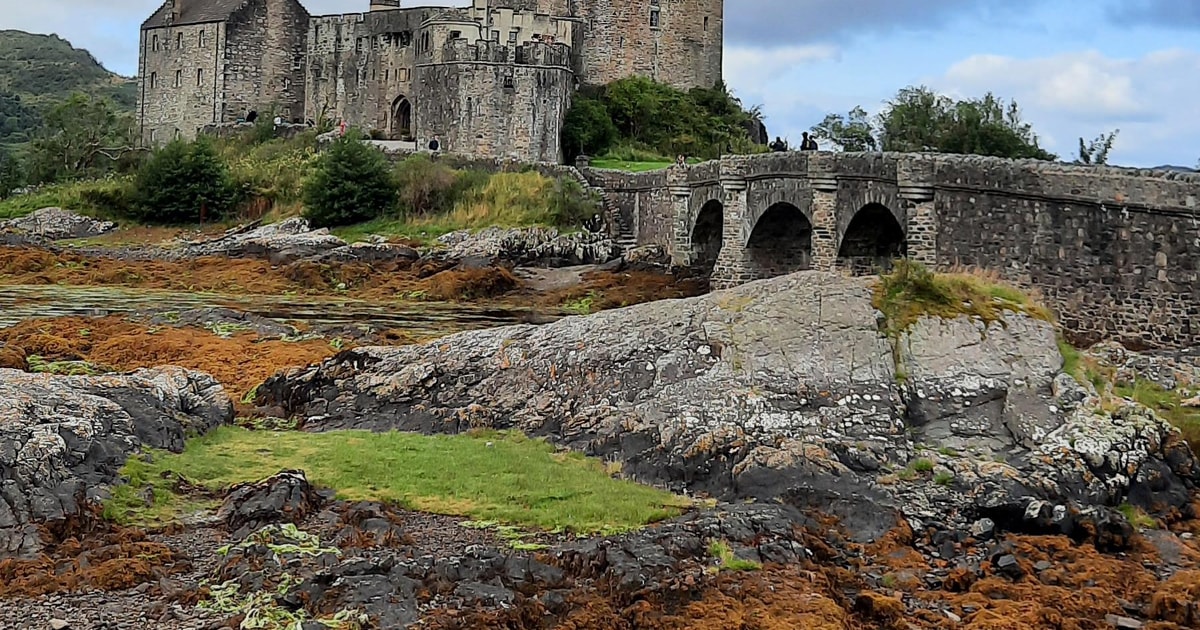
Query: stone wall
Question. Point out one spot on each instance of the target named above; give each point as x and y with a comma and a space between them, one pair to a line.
361, 69
640, 201
1115, 251
180, 81
619, 40
264, 60
480, 100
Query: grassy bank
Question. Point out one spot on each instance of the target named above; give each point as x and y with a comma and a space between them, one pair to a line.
911, 292
487, 477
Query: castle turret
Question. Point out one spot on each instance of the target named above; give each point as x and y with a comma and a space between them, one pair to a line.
677, 42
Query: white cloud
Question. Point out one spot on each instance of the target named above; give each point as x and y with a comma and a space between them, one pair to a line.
1085, 93
753, 67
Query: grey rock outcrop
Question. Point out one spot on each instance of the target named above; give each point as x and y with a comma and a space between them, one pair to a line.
281, 243
535, 245
63, 438
54, 224
785, 388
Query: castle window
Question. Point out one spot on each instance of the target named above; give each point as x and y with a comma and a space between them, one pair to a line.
496, 36
153, 80
156, 42
179, 41
654, 18
403, 72
287, 84
512, 36
178, 78
455, 34
199, 76
387, 74
200, 40
706, 24
153, 135
358, 44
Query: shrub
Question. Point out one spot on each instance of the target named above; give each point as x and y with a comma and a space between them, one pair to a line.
181, 183
427, 187
12, 174
587, 129
350, 183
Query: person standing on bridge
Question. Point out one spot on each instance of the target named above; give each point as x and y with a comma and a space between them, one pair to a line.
808, 144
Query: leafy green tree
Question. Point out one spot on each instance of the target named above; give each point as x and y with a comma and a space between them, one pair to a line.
82, 137
587, 129
919, 119
1096, 151
183, 182
12, 175
854, 132
350, 183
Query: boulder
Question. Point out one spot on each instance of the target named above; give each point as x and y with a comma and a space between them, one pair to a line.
783, 389
280, 243
534, 245
63, 438
54, 224
283, 498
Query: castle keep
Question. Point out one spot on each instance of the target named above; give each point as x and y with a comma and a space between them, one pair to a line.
494, 78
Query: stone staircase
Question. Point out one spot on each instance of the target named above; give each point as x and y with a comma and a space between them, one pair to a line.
625, 236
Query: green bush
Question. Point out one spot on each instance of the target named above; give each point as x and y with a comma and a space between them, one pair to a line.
588, 129
427, 187
12, 174
180, 183
350, 183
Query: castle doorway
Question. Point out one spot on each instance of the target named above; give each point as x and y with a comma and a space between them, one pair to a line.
401, 122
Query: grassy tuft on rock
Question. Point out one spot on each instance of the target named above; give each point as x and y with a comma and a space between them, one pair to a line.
502, 477
722, 552
1166, 403
911, 291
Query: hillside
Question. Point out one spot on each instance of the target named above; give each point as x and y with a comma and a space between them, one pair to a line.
38, 71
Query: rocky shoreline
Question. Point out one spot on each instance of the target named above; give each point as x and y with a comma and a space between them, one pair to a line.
953, 474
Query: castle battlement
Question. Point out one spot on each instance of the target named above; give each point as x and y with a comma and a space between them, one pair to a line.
492, 78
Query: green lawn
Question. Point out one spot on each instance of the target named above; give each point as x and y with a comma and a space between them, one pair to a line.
488, 477
632, 167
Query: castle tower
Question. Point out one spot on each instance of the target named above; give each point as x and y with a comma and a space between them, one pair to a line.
679, 42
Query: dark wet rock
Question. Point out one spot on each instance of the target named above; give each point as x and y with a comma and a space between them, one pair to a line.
63, 438
787, 389
529, 246
368, 253
55, 224
283, 498
221, 321
394, 588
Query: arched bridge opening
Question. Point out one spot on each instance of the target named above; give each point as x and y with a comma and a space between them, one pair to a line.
781, 242
708, 237
872, 241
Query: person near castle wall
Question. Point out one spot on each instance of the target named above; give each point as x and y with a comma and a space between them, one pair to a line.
809, 143
435, 145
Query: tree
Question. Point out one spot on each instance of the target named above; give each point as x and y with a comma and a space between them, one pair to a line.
183, 182
587, 129
1096, 151
81, 137
854, 132
919, 119
350, 183
12, 175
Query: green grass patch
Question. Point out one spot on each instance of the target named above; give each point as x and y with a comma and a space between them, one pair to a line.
632, 167
101, 198
1168, 404
721, 551
911, 291
39, 364
1137, 517
506, 478
943, 478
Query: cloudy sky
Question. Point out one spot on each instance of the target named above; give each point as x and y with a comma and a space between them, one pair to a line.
1077, 67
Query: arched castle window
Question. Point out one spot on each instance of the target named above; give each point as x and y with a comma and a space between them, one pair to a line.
153, 80
179, 41
155, 40
178, 78
200, 39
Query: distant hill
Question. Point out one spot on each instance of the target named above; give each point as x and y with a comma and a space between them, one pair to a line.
39, 71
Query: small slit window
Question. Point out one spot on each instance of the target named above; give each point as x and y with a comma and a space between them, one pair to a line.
153, 80
654, 18
178, 78
199, 76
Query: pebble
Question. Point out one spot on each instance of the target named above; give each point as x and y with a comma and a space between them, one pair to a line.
59, 624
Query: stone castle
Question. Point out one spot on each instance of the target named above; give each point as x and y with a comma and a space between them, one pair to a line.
495, 78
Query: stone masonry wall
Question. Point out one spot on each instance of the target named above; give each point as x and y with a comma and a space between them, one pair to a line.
361, 66
684, 49
640, 201
193, 56
264, 60
497, 108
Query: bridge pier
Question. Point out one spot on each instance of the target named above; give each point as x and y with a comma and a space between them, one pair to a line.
915, 187
824, 220
734, 266
681, 250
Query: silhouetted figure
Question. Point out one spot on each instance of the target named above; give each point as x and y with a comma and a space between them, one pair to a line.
435, 145
779, 146
252, 116
808, 144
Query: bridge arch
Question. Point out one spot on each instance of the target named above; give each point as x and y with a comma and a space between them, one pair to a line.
781, 241
708, 235
872, 240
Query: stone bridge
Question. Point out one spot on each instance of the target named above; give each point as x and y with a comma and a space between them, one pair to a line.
1116, 251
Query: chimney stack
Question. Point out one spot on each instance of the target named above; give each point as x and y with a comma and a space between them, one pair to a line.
176, 8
